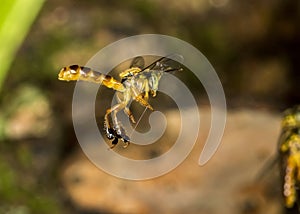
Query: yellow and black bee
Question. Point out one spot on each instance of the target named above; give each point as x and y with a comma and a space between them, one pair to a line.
289, 152
136, 84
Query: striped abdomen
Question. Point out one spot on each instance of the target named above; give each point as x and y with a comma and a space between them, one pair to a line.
76, 72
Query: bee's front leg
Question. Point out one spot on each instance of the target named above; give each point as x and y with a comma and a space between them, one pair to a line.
139, 98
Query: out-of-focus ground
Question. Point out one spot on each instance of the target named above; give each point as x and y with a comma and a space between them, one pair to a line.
228, 183
254, 48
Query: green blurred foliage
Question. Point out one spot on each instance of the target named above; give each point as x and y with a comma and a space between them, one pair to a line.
16, 17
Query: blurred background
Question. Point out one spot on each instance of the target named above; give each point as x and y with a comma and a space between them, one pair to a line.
254, 47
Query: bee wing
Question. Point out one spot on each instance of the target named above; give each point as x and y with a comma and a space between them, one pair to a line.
166, 64
138, 62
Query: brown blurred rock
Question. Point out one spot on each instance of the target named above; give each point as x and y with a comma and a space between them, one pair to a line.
226, 184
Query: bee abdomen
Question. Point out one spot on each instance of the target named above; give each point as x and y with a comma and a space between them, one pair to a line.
76, 72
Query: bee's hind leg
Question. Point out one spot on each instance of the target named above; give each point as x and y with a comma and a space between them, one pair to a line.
122, 135
114, 143
119, 131
109, 131
110, 134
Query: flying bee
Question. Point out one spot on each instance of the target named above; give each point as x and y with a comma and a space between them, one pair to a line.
289, 151
136, 83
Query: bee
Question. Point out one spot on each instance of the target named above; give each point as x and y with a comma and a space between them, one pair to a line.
136, 83
289, 153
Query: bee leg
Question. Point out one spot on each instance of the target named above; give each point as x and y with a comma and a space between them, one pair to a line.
114, 143
118, 129
110, 133
121, 134
146, 89
126, 109
153, 93
129, 114
143, 102
139, 97
126, 144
